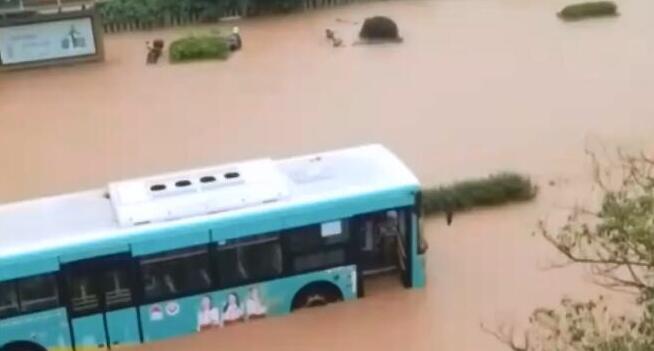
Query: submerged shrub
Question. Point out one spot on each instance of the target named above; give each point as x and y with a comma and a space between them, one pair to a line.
589, 9
199, 48
495, 190
379, 27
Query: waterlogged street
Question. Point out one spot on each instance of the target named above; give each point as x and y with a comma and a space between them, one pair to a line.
477, 86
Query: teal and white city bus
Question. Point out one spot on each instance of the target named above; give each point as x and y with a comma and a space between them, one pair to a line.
154, 258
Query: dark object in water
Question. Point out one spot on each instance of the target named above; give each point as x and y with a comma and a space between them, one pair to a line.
337, 42
379, 27
589, 9
154, 51
448, 216
234, 40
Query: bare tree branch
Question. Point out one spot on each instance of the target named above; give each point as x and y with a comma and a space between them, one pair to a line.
505, 338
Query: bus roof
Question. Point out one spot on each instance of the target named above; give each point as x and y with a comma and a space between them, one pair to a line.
125, 209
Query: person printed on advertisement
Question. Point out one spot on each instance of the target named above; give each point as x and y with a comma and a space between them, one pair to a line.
208, 315
232, 310
76, 38
73, 39
254, 308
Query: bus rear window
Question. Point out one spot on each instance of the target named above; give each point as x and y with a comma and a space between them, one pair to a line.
8, 299
38, 293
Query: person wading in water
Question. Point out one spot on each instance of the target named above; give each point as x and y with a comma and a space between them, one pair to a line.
449, 213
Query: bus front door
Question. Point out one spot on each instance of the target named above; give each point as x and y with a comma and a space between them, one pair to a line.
382, 239
101, 303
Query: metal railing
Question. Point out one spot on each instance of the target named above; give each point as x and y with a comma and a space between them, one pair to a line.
16, 7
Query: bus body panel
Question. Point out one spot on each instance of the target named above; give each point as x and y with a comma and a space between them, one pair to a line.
48, 329
418, 277
28, 265
179, 317
171, 239
89, 333
92, 252
123, 328
310, 213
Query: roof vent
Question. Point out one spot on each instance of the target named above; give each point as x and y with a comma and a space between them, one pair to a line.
197, 192
310, 170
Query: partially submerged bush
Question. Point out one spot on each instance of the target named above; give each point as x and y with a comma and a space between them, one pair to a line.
589, 9
494, 190
379, 28
199, 48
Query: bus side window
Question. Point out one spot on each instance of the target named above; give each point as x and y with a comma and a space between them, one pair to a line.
117, 292
172, 273
84, 292
250, 260
8, 299
318, 246
38, 293
304, 239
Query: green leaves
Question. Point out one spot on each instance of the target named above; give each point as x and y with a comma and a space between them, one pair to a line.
495, 190
149, 13
199, 48
617, 241
589, 9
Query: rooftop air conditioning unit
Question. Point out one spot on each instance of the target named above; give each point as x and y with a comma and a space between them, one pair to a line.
197, 192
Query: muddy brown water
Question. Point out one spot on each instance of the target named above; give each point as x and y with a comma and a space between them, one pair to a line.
477, 86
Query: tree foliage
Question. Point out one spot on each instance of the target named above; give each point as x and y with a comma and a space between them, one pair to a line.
497, 189
589, 9
158, 12
616, 240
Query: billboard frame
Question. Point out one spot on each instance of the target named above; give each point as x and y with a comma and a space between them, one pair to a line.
38, 18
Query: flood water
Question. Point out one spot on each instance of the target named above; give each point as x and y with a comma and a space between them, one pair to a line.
477, 86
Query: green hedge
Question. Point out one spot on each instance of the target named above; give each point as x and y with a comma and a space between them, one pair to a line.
199, 48
589, 9
495, 190
158, 13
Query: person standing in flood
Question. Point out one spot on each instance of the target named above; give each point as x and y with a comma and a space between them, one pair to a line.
449, 214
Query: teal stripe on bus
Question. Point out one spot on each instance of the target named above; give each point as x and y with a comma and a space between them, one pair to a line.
78, 255
311, 213
26, 266
174, 238
418, 278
